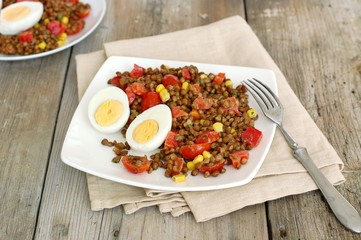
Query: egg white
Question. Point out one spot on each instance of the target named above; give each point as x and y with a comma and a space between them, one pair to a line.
13, 27
109, 93
159, 113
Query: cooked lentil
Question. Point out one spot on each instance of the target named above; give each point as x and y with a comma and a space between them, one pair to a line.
227, 113
60, 18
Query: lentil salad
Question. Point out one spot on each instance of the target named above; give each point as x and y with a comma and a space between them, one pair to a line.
59, 19
212, 123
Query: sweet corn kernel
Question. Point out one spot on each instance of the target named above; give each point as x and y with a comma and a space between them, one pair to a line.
198, 159
159, 88
185, 86
60, 43
229, 83
218, 127
42, 45
164, 95
63, 36
36, 25
65, 20
191, 165
252, 113
167, 67
179, 178
202, 121
206, 154
203, 76
233, 130
46, 21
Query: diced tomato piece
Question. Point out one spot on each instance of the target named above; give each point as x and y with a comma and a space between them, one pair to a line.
139, 88
73, 1
150, 99
178, 112
195, 114
170, 79
236, 158
186, 74
137, 71
115, 81
197, 87
218, 166
130, 95
75, 26
177, 166
135, 164
26, 36
230, 105
202, 103
219, 78
85, 12
191, 151
252, 136
170, 141
56, 27
207, 137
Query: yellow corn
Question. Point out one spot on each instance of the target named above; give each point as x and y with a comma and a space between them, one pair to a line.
198, 159
46, 21
185, 85
65, 20
252, 113
233, 130
60, 43
42, 45
202, 121
179, 178
218, 127
164, 95
229, 83
191, 165
159, 88
167, 67
63, 36
206, 154
203, 76
36, 25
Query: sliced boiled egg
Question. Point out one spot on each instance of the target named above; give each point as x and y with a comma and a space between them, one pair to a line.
150, 128
108, 110
20, 16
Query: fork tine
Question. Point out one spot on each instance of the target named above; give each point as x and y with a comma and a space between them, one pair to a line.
259, 98
268, 91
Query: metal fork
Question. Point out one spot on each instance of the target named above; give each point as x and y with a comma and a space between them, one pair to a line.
273, 110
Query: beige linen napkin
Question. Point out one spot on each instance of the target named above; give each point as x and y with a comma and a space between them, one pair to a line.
232, 42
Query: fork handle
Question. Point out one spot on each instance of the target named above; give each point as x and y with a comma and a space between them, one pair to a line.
342, 209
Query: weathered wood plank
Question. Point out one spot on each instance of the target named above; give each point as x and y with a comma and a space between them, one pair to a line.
65, 211
30, 94
317, 46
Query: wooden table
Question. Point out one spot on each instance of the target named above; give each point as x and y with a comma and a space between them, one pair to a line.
315, 43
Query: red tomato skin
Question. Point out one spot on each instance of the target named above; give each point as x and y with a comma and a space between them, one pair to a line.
252, 136
216, 167
219, 78
79, 25
202, 103
139, 88
177, 112
170, 79
197, 87
137, 71
236, 158
56, 27
26, 36
84, 14
186, 74
170, 141
132, 167
191, 151
116, 81
233, 105
207, 137
130, 95
149, 100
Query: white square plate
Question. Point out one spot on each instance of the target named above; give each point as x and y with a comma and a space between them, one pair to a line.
82, 148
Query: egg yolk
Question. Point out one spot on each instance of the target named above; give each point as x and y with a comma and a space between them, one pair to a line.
109, 112
16, 13
145, 131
